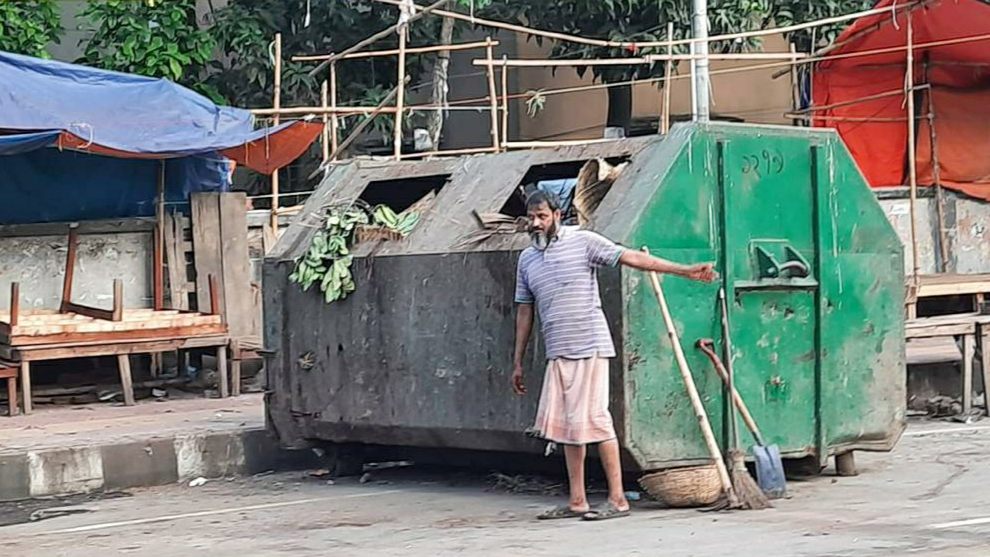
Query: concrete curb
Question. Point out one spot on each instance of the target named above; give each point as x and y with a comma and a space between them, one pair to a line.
155, 461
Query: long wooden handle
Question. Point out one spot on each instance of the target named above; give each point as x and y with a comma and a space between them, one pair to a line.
699, 408
740, 405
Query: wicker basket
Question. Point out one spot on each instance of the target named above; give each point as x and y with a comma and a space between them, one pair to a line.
696, 486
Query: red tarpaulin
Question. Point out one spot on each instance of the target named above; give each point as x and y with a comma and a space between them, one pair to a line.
952, 53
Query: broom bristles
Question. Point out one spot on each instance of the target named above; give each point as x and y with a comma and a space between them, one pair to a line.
747, 491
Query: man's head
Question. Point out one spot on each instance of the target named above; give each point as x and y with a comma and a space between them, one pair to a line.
543, 212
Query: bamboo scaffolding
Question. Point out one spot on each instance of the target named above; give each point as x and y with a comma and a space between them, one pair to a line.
325, 134
492, 95
276, 104
912, 164
401, 95
667, 70
505, 104
393, 52
334, 123
652, 44
943, 241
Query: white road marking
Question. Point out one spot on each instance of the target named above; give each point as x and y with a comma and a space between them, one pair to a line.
957, 524
947, 430
170, 517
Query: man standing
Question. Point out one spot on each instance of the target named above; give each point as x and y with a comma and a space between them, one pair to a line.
558, 274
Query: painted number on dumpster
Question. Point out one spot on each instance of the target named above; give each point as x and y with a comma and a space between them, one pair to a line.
764, 163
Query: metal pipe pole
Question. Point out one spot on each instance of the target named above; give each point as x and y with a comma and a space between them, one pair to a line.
699, 30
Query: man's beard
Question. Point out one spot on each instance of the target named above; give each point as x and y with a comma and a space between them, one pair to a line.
542, 240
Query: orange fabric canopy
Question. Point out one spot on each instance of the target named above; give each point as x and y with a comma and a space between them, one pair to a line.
952, 54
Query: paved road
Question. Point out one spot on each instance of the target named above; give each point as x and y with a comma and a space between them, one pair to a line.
930, 497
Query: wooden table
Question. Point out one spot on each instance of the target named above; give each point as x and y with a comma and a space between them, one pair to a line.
974, 328
34, 336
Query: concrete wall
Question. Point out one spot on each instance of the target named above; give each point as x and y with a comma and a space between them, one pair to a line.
34, 256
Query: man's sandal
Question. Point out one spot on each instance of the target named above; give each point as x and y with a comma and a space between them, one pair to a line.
560, 512
604, 512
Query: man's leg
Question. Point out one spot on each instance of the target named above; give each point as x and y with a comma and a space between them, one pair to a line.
574, 456
609, 451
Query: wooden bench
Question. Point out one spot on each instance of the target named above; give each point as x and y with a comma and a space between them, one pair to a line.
972, 328
9, 372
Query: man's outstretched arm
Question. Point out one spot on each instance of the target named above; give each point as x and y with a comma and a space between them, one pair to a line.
643, 261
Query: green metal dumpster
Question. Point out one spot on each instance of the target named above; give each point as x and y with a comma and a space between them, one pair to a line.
420, 354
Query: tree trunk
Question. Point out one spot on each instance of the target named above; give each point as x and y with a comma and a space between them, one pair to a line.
619, 107
440, 88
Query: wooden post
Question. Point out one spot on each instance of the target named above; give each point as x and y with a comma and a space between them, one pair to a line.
492, 95
118, 300
943, 240
985, 361
400, 98
222, 371
912, 170
26, 387
969, 352
325, 134
126, 381
214, 296
667, 70
70, 266
277, 104
505, 103
333, 105
15, 302
235, 367
158, 275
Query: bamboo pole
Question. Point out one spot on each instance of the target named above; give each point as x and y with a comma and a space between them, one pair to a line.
401, 96
505, 104
492, 95
667, 70
334, 123
276, 103
306, 110
892, 9
806, 117
158, 279
393, 52
448, 152
795, 87
912, 170
892, 93
937, 177
325, 134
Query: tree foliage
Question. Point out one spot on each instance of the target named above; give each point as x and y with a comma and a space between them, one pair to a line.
789, 13
156, 39
27, 27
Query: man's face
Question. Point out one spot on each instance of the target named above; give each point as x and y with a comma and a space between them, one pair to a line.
543, 224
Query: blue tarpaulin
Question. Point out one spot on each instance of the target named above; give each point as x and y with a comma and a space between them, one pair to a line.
91, 141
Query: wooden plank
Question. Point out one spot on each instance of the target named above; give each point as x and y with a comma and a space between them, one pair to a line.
175, 260
206, 244
126, 381
45, 353
939, 330
967, 375
11, 396
95, 313
931, 350
78, 339
240, 309
70, 266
